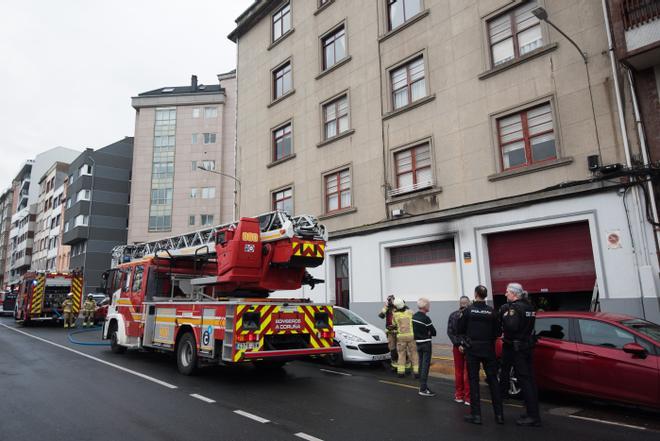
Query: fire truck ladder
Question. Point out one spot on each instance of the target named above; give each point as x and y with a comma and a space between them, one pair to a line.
202, 242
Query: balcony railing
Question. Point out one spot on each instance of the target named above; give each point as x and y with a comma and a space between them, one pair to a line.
639, 12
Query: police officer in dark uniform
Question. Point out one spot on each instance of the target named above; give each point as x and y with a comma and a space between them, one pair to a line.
517, 317
478, 327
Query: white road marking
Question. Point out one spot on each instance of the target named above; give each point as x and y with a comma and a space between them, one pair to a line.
307, 437
107, 363
251, 416
612, 423
336, 372
203, 398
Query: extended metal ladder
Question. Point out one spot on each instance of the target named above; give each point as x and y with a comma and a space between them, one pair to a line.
202, 242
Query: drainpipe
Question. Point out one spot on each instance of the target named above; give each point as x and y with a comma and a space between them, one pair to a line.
626, 149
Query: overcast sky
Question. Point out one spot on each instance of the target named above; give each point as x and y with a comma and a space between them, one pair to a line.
68, 68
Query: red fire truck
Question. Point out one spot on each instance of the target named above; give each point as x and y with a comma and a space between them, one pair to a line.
40, 295
204, 295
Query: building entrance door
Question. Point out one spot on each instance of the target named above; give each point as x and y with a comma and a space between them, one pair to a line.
342, 282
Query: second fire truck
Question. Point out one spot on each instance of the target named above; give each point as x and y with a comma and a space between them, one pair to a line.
40, 295
204, 295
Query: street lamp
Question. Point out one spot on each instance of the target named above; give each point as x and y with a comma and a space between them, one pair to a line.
542, 15
236, 187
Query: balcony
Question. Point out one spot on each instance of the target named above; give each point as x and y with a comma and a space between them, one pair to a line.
641, 26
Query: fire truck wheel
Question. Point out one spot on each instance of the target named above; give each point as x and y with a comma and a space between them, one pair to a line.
186, 354
115, 347
335, 359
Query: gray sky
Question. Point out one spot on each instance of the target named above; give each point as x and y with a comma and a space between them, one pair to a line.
69, 67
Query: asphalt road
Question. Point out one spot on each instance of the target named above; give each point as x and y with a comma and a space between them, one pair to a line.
57, 390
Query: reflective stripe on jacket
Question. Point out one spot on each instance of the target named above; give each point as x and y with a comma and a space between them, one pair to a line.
403, 320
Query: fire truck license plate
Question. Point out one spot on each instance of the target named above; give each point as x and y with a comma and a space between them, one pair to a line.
247, 346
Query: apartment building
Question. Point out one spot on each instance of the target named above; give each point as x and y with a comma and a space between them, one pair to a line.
49, 218
445, 144
97, 208
6, 204
183, 168
24, 211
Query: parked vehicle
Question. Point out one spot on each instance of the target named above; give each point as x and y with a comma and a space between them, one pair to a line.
7, 302
360, 341
603, 355
102, 303
40, 295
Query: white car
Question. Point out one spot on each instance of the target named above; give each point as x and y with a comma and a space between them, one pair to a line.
359, 341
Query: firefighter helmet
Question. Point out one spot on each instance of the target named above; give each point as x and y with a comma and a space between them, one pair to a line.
399, 303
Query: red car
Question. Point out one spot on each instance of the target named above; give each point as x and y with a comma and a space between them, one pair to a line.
604, 355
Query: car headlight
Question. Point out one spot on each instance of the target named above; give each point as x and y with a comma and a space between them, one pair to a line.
344, 336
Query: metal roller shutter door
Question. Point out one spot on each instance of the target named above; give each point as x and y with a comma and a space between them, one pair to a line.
558, 258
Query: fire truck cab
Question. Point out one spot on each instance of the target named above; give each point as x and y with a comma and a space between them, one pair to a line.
213, 307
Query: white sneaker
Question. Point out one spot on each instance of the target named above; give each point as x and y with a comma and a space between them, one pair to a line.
458, 400
467, 403
427, 393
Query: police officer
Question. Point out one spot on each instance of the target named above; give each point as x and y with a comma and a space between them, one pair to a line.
387, 313
517, 318
89, 307
405, 339
478, 327
67, 310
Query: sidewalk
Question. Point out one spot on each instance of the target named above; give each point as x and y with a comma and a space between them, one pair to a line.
442, 363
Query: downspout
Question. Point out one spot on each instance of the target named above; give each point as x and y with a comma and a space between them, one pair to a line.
624, 137
236, 195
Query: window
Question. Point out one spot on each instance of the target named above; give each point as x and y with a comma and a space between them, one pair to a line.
283, 200
80, 220
193, 138
334, 47
603, 334
408, 83
84, 170
282, 81
338, 191
83, 195
335, 117
439, 251
527, 137
195, 112
193, 193
206, 219
137, 278
552, 327
191, 220
400, 11
208, 165
281, 22
514, 34
209, 138
193, 165
208, 192
413, 168
160, 222
282, 142
66, 226
210, 112
161, 196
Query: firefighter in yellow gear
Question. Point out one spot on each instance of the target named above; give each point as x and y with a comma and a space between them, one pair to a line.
67, 310
89, 307
387, 313
405, 339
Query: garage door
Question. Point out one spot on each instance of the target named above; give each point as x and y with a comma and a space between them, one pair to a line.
549, 259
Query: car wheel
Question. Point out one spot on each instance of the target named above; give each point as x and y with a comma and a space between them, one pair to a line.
336, 359
115, 347
186, 354
514, 388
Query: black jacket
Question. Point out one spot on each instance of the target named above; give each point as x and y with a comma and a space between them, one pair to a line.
479, 326
517, 319
452, 327
423, 327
